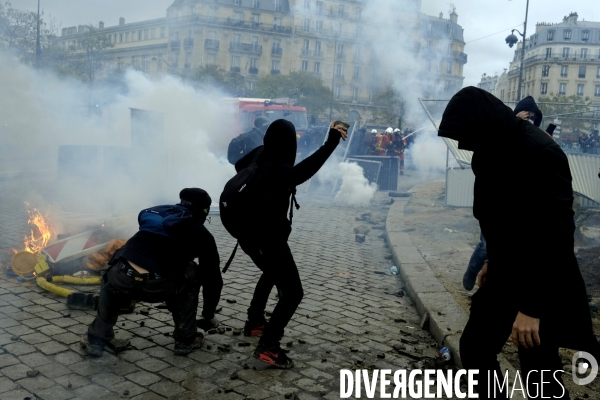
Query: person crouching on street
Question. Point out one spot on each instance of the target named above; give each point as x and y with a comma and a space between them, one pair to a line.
157, 265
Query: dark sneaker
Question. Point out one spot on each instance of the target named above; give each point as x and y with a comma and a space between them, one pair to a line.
254, 328
94, 348
274, 356
182, 349
468, 281
207, 324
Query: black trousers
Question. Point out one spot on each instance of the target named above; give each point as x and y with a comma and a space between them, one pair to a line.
486, 332
121, 284
279, 270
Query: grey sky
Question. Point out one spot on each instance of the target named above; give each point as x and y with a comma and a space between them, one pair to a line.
479, 18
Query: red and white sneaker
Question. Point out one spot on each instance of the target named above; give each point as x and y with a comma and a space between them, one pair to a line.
274, 356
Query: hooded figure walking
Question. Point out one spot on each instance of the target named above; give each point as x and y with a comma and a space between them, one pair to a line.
531, 290
275, 184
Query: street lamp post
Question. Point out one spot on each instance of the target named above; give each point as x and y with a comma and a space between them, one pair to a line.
511, 40
332, 77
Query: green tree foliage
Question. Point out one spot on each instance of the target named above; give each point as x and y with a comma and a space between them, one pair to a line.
391, 110
211, 75
577, 109
306, 88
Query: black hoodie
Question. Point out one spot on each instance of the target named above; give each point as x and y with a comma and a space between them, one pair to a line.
277, 176
522, 199
528, 104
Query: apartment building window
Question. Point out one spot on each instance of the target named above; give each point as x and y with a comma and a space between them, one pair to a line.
598, 73
359, 31
140, 35
340, 50
146, 34
545, 70
358, 13
120, 63
567, 34
163, 32
306, 24
237, 2
238, 16
580, 87
339, 70
212, 12
275, 65
356, 74
135, 61
354, 94
340, 26
427, 65
564, 71
306, 45
146, 63
338, 91
235, 61
562, 89
277, 5
254, 41
127, 36
276, 43
210, 59
548, 52
550, 36
304, 65
237, 38
318, 48
449, 68
544, 88
566, 51
153, 33
502, 94
253, 62
585, 35
583, 54
255, 4
159, 62
597, 91
582, 69
250, 85
188, 59
256, 19
278, 21
357, 55
120, 38
317, 67
319, 7
307, 5
341, 11
319, 26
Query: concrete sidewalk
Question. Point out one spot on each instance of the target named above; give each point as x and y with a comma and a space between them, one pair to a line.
446, 317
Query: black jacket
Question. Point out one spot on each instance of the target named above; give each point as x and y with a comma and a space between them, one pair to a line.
277, 177
523, 200
169, 255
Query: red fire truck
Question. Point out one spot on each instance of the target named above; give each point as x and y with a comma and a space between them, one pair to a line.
247, 109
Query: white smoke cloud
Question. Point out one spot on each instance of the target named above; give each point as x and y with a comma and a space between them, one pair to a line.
355, 190
40, 112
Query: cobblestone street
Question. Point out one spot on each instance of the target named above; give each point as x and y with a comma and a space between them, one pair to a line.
351, 317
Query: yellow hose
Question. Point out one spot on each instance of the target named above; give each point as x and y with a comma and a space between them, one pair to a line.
52, 287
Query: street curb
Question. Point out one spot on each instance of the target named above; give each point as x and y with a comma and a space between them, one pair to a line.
447, 317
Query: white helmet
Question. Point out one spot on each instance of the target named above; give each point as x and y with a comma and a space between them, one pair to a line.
396, 130
389, 130
374, 131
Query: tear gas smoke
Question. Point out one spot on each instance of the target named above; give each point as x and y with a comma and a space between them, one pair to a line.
40, 112
355, 190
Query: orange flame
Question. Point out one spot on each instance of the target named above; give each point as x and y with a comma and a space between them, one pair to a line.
41, 231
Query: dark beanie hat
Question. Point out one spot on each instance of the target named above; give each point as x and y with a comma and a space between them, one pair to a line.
195, 199
261, 122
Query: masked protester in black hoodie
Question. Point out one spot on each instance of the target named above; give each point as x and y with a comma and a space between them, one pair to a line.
275, 182
531, 289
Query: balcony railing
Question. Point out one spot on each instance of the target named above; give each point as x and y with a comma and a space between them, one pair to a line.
211, 44
318, 53
175, 44
188, 42
340, 56
460, 56
277, 51
324, 33
245, 47
228, 22
275, 72
306, 52
339, 77
235, 69
253, 70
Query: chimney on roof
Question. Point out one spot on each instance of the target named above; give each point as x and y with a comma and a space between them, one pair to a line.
441, 15
121, 21
571, 19
63, 32
454, 17
100, 25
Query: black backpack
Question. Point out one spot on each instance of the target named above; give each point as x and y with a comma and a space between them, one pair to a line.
237, 148
237, 204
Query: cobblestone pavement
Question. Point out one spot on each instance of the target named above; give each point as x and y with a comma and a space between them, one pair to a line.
351, 317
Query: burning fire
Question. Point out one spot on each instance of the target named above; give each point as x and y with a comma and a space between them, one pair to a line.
41, 231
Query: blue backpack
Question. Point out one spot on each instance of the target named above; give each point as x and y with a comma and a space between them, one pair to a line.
166, 220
